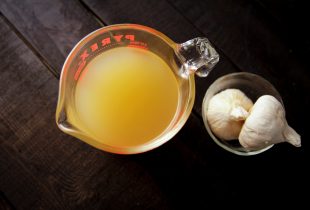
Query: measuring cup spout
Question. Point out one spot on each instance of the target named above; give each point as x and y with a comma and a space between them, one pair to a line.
198, 56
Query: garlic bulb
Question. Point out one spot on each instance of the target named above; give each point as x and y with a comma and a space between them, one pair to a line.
267, 125
226, 113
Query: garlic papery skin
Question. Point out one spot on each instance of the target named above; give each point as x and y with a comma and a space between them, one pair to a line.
266, 125
226, 113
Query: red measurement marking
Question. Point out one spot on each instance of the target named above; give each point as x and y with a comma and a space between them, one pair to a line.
84, 55
106, 41
118, 38
94, 47
130, 37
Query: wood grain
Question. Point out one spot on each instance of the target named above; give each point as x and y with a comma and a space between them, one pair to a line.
4, 204
23, 103
253, 53
254, 42
42, 168
52, 28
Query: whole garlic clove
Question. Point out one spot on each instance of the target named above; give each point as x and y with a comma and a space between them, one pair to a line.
266, 125
226, 113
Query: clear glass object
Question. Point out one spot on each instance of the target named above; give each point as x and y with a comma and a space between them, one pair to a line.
195, 56
253, 86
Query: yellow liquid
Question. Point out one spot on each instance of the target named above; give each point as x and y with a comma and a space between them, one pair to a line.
126, 97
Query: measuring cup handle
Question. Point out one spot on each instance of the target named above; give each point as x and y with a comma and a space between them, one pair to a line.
197, 56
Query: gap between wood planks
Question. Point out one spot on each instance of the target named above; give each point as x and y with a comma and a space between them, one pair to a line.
5, 204
29, 45
96, 17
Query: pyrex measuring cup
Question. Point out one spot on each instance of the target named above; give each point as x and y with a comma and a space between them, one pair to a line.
195, 56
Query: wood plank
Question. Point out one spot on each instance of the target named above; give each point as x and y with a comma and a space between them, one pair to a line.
52, 28
4, 203
165, 18
21, 186
252, 41
170, 177
23, 101
80, 175
42, 168
293, 18
255, 43
226, 36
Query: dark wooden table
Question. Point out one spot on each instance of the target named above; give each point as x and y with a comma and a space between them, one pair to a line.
42, 168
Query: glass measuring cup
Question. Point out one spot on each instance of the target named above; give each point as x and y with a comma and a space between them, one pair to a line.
194, 56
